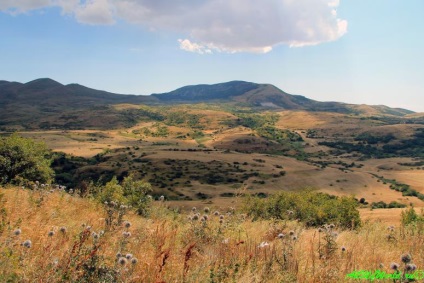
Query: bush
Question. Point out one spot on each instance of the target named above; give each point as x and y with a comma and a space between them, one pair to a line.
315, 209
23, 160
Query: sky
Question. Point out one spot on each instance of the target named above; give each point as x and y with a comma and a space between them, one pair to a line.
353, 51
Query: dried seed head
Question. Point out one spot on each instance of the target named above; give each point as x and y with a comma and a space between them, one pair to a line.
134, 260
221, 216
126, 234
343, 248
128, 256
206, 210
27, 244
280, 236
221, 221
331, 226
193, 209
320, 230
118, 255
51, 233
216, 213
162, 198
17, 232
394, 266
95, 235
291, 232
63, 229
294, 238
127, 224
410, 267
406, 258
122, 261
195, 217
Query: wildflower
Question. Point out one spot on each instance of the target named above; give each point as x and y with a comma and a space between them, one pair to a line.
17, 232
122, 261
118, 255
206, 217
280, 236
406, 258
394, 266
63, 229
27, 244
410, 267
195, 217
128, 256
221, 216
51, 233
126, 234
206, 210
127, 224
134, 260
216, 213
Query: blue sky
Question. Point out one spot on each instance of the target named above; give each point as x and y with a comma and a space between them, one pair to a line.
355, 51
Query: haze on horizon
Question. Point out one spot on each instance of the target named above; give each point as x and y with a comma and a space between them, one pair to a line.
353, 51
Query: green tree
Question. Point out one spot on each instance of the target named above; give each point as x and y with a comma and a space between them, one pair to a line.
23, 159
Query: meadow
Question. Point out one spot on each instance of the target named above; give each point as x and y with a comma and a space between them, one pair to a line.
49, 235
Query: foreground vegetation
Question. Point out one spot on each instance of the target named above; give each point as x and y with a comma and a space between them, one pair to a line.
48, 235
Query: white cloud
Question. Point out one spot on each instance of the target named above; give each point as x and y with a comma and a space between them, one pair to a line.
212, 25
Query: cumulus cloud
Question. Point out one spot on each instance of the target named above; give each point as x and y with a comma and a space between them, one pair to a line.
213, 25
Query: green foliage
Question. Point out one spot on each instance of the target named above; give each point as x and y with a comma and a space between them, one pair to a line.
313, 208
136, 193
382, 204
111, 192
23, 160
410, 216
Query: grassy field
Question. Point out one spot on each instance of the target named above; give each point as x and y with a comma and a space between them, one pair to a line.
52, 236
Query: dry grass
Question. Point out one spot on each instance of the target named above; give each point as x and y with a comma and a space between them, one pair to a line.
171, 248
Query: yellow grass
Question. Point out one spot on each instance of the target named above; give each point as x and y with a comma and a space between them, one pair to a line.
171, 248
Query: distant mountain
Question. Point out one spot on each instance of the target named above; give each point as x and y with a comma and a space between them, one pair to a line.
263, 96
47, 103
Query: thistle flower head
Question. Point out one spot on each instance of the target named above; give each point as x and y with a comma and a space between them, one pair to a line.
394, 266
343, 248
134, 260
128, 256
221, 216
127, 224
51, 233
216, 213
406, 258
280, 236
118, 255
126, 234
27, 244
410, 267
122, 261
195, 217
17, 232
206, 209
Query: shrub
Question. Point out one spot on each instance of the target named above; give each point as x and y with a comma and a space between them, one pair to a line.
313, 208
23, 160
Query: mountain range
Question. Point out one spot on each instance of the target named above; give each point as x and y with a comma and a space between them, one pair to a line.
22, 103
